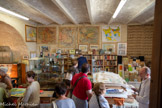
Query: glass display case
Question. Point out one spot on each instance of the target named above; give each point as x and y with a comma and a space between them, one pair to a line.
48, 71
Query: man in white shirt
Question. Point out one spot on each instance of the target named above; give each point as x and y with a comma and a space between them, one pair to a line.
144, 89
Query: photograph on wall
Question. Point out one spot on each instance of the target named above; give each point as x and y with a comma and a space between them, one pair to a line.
83, 48
46, 35
111, 33
25, 57
122, 49
67, 37
30, 33
109, 47
44, 48
96, 47
88, 35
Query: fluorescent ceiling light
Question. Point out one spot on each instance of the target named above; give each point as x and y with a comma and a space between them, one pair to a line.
121, 4
13, 13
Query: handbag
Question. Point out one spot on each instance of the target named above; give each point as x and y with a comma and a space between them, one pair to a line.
97, 97
54, 104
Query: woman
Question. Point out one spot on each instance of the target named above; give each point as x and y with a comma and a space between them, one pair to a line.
72, 71
5, 78
62, 101
31, 97
98, 100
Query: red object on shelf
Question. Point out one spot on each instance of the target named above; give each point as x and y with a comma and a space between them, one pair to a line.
41, 91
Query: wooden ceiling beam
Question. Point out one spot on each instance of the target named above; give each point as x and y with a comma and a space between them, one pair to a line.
64, 10
88, 3
151, 4
39, 10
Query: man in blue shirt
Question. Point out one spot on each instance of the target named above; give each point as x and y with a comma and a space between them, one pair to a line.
81, 61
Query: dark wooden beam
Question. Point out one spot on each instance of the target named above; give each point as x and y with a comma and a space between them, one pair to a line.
156, 75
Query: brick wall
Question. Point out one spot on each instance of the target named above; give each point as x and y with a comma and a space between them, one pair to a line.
139, 41
9, 36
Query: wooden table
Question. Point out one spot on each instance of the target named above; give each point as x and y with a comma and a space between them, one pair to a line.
46, 99
46, 96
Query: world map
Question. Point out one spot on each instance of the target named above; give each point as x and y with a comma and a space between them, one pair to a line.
111, 34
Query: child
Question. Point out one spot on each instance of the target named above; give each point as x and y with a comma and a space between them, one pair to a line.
62, 101
98, 100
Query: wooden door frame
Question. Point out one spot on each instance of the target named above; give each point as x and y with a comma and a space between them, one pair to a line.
156, 75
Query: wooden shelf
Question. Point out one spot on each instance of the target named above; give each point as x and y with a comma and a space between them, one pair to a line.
97, 65
98, 59
110, 65
110, 60
93, 59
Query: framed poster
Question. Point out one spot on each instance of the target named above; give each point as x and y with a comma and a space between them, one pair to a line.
122, 49
108, 47
83, 48
111, 33
96, 47
30, 33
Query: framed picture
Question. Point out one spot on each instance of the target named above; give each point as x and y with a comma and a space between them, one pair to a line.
71, 51
44, 48
122, 49
25, 57
96, 47
33, 54
83, 48
30, 33
109, 47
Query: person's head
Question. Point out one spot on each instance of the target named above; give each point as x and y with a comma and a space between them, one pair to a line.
80, 54
85, 68
99, 88
60, 89
3, 71
75, 63
145, 72
30, 76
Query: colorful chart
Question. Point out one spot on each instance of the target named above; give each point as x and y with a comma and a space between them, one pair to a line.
111, 33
